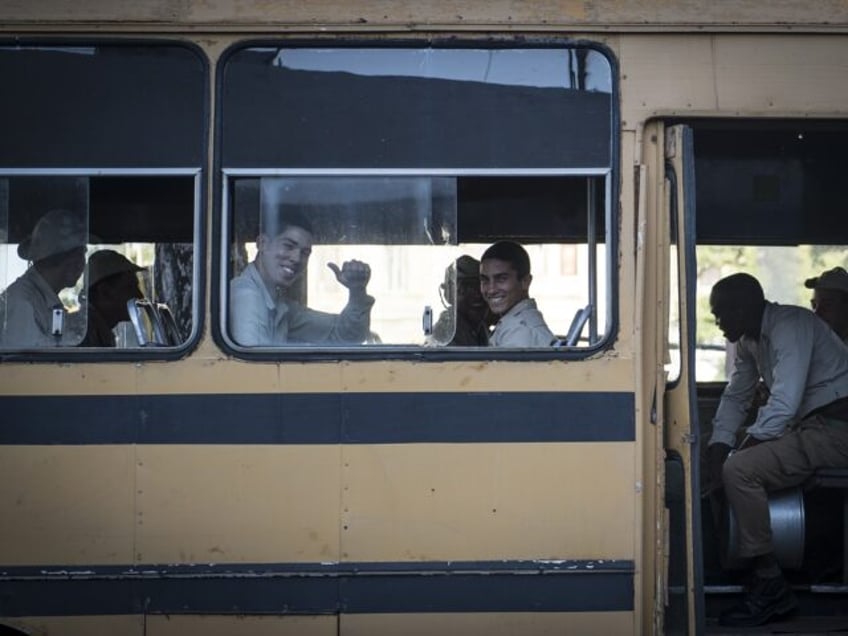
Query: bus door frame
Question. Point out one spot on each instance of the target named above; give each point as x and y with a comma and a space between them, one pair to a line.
681, 401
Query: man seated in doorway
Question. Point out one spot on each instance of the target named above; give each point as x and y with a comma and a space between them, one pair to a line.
261, 314
830, 299
505, 284
803, 425
112, 282
56, 248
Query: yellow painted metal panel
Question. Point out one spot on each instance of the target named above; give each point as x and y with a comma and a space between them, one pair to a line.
665, 74
785, 74
609, 371
485, 624
242, 626
489, 501
80, 625
409, 14
237, 504
66, 505
732, 75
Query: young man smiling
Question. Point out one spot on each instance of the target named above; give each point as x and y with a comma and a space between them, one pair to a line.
262, 315
505, 284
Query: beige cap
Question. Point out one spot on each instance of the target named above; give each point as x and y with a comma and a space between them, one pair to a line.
56, 232
105, 263
836, 278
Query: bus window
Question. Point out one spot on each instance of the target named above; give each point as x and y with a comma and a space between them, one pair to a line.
99, 182
407, 159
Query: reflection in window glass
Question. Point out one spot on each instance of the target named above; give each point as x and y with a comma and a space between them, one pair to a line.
412, 162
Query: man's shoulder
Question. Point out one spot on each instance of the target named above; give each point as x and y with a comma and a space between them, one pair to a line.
247, 282
24, 284
782, 315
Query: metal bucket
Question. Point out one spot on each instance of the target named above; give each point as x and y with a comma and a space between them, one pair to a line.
786, 509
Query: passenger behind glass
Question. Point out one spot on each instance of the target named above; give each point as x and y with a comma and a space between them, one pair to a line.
464, 322
505, 283
261, 314
112, 282
830, 299
31, 313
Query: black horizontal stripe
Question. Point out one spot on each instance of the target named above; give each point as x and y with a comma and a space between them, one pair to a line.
318, 418
496, 586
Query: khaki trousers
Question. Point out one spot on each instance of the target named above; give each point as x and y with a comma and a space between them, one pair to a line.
750, 474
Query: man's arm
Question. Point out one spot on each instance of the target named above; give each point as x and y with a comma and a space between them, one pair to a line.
791, 344
736, 398
351, 326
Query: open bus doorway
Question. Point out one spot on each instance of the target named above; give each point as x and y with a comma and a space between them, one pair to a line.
764, 198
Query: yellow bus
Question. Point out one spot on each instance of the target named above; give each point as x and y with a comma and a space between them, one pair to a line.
182, 480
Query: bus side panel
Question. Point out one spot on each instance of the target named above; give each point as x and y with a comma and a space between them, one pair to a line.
68, 505
495, 624
238, 504
175, 625
488, 501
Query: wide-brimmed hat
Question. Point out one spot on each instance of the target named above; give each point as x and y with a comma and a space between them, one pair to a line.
56, 232
105, 263
836, 278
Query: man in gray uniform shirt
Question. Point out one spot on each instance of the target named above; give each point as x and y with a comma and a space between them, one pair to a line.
505, 284
56, 248
802, 427
830, 299
262, 315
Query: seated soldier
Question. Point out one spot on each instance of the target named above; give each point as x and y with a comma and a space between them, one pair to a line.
56, 249
830, 299
464, 322
505, 283
112, 281
261, 314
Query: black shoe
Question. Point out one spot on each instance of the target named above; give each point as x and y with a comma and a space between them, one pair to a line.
767, 598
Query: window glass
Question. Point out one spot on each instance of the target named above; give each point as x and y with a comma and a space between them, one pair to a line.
413, 162
673, 365
99, 182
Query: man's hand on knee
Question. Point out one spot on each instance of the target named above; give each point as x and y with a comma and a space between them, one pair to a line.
716, 455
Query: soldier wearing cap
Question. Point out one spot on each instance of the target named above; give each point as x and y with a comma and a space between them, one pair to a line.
261, 312
464, 322
112, 281
56, 249
830, 299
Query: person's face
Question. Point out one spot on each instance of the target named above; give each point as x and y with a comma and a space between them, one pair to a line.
469, 300
831, 305
112, 296
282, 259
729, 317
500, 285
74, 266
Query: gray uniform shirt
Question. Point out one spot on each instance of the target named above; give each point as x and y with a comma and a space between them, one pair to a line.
26, 312
258, 319
522, 326
801, 360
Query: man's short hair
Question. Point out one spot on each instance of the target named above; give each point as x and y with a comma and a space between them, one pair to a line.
511, 252
740, 289
279, 218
